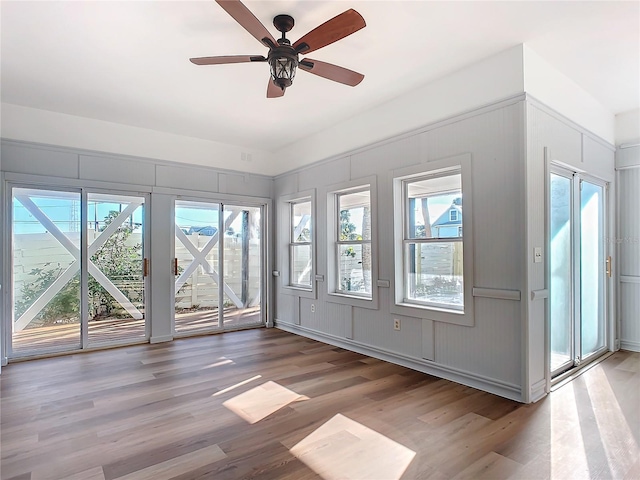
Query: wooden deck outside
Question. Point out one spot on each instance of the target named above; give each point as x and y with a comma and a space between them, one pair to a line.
67, 336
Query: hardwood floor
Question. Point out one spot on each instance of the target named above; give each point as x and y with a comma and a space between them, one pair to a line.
268, 404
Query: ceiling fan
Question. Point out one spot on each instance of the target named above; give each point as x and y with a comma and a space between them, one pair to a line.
283, 56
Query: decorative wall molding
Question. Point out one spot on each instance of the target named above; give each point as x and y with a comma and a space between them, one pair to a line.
497, 293
539, 294
629, 279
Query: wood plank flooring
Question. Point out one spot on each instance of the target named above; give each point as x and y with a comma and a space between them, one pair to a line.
272, 405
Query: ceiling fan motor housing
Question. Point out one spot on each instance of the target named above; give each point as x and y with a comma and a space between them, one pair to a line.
283, 23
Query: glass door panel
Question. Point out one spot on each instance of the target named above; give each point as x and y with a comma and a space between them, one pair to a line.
46, 271
576, 270
561, 273
115, 239
197, 276
242, 266
591, 268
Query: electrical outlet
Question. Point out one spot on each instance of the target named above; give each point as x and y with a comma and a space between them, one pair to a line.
313, 308
396, 324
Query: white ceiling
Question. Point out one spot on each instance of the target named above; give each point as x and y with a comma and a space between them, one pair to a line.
127, 62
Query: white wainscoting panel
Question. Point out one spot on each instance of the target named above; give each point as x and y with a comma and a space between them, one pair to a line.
629, 221
630, 316
117, 170
491, 348
187, 177
19, 158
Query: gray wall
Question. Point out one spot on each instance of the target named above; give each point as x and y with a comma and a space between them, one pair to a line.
486, 355
628, 243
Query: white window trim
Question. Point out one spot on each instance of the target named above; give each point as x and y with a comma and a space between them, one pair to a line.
451, 212
462, 163
333, 294
284, 250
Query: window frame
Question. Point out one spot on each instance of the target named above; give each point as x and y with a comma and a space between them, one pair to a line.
460, 164
285, 248
334, 293
294, 243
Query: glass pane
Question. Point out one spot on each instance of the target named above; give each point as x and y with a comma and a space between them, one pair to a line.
301, 265
196, 281
354, 268
355, 216
242, 266
301, 222
434, 273
560, 290
591, 268
116, 282
46, 271
434, 207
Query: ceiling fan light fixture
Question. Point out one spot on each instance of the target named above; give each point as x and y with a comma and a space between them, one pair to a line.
282, 65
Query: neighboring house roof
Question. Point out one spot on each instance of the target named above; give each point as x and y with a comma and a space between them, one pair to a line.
444, 219
207, 231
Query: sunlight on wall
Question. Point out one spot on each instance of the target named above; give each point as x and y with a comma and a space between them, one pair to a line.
345, 449
261, 401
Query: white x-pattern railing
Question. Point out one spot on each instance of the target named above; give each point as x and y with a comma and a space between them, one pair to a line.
200, 258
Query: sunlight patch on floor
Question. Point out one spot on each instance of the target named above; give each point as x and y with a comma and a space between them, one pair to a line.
345, 449
261, 401
619, 443
224, 361
239, 384
566, 436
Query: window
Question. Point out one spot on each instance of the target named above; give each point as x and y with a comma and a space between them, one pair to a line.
433, 251
433, 256
301, 244
353, 243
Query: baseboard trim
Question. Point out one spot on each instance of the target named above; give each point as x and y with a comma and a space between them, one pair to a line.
538, 390
630, 345
502, 389
161, 339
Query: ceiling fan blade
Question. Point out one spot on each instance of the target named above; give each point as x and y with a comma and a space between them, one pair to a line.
227, 59
330, 31
248, 20
274, 91
331, 72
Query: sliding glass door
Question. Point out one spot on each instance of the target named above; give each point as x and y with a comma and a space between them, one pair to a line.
218, 266
46, 271
115, 240
576, 269
242, 253
78, 270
